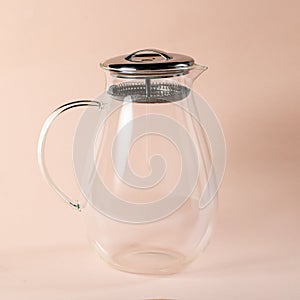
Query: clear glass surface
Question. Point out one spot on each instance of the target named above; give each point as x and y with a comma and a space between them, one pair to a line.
163, 154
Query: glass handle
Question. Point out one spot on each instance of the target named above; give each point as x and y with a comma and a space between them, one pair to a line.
42, 140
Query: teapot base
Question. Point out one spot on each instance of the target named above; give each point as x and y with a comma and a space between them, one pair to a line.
148, 261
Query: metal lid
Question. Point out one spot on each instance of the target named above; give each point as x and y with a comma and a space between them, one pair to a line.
149, 62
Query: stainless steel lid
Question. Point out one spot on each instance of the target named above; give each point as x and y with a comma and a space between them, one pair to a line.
149, 62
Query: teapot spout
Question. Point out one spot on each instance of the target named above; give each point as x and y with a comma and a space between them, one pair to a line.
196, 71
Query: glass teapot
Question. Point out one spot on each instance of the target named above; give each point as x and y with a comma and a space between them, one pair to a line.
149, 156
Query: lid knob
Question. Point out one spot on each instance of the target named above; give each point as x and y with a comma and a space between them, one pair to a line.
145, 55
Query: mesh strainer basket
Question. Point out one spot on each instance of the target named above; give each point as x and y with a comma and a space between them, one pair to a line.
148, 91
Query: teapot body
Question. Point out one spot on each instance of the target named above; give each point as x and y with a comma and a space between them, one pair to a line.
154, 159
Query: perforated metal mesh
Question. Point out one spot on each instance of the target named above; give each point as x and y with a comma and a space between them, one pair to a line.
148, 92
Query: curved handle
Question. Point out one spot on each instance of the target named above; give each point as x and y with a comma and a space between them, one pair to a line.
155, 51
42, 140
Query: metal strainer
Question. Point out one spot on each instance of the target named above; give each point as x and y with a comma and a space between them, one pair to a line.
148, 91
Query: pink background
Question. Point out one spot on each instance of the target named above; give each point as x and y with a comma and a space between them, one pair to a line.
49, 54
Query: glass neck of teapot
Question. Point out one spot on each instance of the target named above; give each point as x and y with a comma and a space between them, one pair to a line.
152, 85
